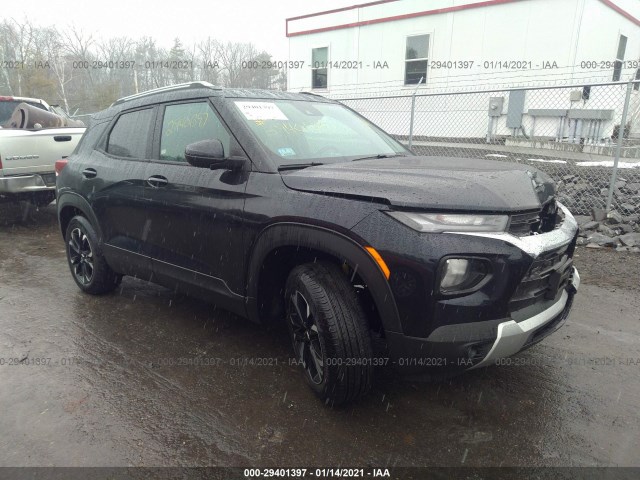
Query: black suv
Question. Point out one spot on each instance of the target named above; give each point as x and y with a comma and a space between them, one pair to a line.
292, 206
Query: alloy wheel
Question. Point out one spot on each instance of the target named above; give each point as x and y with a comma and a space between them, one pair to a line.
306, 341
81, 256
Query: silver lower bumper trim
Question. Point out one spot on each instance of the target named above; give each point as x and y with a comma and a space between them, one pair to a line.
513, 335
23, 184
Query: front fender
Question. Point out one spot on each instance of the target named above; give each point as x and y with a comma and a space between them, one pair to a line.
332, 243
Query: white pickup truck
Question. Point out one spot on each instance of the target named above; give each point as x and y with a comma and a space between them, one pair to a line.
33, 136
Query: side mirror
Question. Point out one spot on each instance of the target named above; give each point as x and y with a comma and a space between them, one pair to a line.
205, 153
210, 154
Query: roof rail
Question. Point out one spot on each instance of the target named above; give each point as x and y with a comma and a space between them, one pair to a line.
170, 88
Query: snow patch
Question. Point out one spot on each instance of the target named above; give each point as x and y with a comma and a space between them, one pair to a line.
546, 161
609, 163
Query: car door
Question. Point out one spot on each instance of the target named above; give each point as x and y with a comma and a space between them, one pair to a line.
114, 178
195, 231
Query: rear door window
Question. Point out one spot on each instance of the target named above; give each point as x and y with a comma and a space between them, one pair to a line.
188, 123
129, 136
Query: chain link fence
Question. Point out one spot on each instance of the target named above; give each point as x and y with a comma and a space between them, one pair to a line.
587, 138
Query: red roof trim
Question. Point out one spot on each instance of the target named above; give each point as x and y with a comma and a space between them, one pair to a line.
622, 12
343, 9
486, 3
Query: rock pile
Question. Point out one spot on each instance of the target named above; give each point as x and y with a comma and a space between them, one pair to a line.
610, 230
579, 194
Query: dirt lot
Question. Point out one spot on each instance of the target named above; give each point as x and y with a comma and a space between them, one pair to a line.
609, 268
120, 387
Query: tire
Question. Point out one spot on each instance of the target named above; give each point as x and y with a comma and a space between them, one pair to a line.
329, 332
88, 267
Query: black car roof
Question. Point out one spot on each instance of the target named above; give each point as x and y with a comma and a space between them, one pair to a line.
186, 91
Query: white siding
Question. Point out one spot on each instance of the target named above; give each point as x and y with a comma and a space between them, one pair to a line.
562, 31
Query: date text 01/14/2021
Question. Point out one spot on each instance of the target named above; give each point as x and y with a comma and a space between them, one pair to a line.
316, 473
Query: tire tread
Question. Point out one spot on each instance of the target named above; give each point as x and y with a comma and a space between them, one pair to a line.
348, 332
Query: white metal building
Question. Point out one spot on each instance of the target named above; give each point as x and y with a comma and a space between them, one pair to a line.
388, 45
393, 47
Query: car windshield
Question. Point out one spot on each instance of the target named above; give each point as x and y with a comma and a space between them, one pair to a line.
300, 132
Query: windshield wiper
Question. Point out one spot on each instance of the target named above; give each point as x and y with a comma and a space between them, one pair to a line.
298, 166
379, 155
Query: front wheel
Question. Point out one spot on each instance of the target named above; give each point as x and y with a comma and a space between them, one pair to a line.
329, 331
86, 262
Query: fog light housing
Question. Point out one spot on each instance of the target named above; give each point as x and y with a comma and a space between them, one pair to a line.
463, 274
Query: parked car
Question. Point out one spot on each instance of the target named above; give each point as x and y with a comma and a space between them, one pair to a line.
33, 135
292, 206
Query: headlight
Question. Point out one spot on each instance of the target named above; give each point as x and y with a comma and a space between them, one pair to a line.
462, 274
445, 222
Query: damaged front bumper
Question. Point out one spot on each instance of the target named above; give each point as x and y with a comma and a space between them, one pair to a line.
514, 336
464, 346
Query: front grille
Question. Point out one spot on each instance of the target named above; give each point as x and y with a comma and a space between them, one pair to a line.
537, 221
524, 224
547, 275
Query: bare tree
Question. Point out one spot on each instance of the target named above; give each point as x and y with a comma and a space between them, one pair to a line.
60, 65
5, 54
20, 36
77, 42
119, 55
59, 60
209, 51
233, 59
79, 47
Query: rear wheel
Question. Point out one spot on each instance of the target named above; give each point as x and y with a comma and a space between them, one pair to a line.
329, 332
86, 262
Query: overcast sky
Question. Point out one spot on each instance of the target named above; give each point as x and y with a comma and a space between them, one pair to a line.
261, 22
255, 21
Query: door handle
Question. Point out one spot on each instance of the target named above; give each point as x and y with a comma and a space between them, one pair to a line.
62, 138
89, 173
157, 181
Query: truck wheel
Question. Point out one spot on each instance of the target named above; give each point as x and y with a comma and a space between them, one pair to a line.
330, 335
86, 262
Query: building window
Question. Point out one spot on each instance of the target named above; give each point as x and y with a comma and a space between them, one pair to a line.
416, 59
636, 86
319, 58
622, 48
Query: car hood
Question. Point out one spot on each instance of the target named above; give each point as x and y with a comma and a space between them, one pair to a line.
440, 183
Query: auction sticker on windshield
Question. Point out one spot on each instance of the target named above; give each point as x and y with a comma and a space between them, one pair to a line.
261, 111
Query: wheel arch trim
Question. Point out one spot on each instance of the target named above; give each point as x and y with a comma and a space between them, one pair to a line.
288, 234
71, 199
